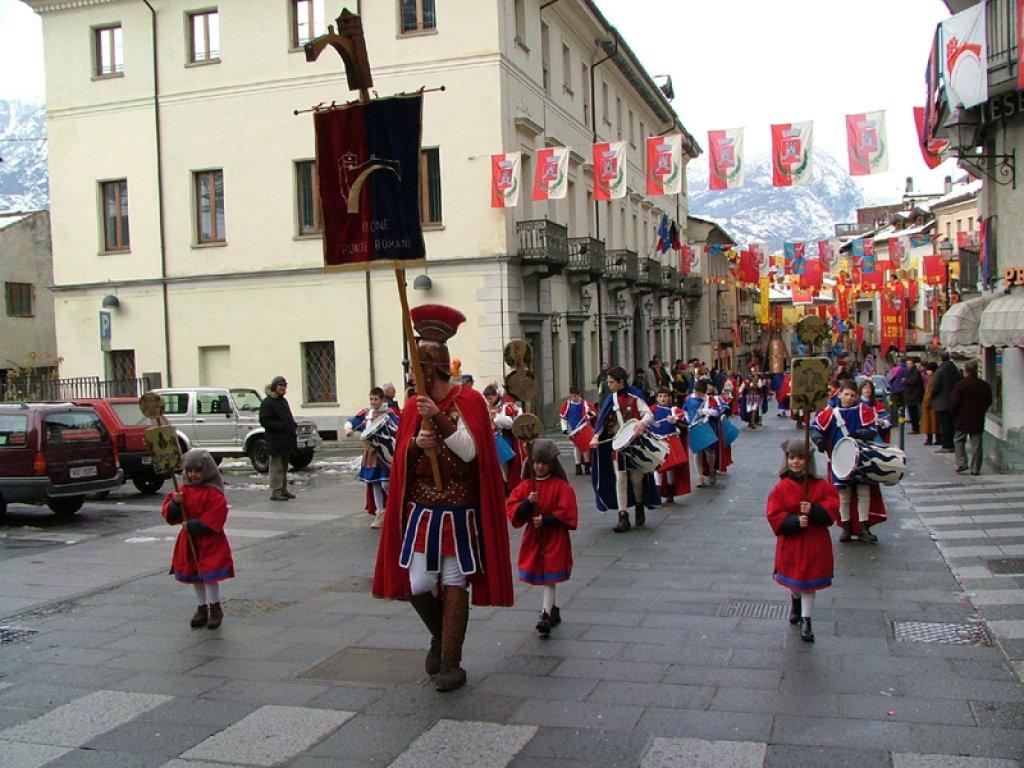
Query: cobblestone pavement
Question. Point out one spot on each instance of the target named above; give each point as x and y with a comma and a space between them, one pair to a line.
662, 659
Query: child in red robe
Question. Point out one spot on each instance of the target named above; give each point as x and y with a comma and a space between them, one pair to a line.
801, 508
202, 553
546, 504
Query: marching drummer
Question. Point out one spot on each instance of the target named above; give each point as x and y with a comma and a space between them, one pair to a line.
859, 420
615, 485
374, 469
576, 416
673, 476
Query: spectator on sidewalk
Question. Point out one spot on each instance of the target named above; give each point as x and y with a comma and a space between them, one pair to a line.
945, 379
896, 382
601, 382
929, 419
913, 393
968, 401
276, 417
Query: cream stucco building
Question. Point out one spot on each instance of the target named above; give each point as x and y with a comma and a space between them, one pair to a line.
180, 182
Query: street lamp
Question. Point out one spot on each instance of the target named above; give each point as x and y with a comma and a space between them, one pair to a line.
649, 307
946, 250
620, 303
961, 128
585, 301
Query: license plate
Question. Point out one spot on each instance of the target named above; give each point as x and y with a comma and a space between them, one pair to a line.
80, 472
147, 459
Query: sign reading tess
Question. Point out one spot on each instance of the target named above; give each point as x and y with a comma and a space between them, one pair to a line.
1002, 107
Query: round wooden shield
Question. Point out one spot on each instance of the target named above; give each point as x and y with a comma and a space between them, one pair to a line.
518, 354
812, 330
526, 427
151, 405
522, 384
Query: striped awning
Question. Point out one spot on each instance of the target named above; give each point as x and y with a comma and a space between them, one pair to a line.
1002, 322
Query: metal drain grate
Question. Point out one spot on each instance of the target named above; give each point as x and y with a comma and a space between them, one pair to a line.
254, 609
354, 584
754, 609
1011, 565
936, 633
13, 634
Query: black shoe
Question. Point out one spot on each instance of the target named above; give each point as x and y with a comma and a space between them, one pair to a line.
579, 469
543, 625
845, 535
928, 442
866, 536
639, 516
806, 634
794, 610
555, 616
623, 525
670, 500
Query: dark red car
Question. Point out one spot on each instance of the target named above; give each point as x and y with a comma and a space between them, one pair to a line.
127, 425
54, 454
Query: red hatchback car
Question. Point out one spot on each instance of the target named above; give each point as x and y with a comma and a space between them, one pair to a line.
54, 455
127, 425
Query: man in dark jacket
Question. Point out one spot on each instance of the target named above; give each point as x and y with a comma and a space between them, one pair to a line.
968, 401
276, 417
913, 394
945, 378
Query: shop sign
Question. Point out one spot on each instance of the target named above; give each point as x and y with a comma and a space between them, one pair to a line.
1002, 107
1013, 276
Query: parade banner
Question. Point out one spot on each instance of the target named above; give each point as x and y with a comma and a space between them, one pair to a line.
842, 292
791, 154
890, 326
506, 170
748, 273
688, 259
764, 306
828, 254
802, 296
934, 269
725, 151
931, 149
609, 170
812, 276
368, 160
920, 241
964, 57
866, 143
551, 177
665, 164
762, 261
897, 247
793, 253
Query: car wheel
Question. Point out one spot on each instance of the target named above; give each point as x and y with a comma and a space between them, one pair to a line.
65, 506
301, 459
148, 484
259, 455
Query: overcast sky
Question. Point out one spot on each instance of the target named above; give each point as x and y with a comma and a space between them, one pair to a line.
734, 63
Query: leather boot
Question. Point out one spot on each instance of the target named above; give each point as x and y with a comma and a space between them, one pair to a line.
640, 517
623, 525
806, 633
431, 614
216, 616
200, 617
866, 536
556, 616
845, 535
579, 469
543, 625
794, 610
453, 633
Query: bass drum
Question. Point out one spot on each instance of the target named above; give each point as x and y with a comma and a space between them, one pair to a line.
866, 462
645, 452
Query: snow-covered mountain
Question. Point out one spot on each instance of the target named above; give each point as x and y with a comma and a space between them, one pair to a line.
23, 175
759, 212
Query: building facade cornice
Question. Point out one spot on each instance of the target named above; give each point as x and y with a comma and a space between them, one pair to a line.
51, 6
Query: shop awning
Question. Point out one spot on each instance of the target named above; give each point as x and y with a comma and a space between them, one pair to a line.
1002, 322
958, 330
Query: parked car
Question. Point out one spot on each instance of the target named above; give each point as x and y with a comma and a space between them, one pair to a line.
54, 454
127, 425
226, 422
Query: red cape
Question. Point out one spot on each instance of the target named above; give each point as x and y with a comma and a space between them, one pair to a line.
494, 585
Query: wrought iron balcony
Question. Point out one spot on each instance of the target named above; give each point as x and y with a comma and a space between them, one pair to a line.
543, 244
586, 257
650, 273
669, 280
621, 267
692, 286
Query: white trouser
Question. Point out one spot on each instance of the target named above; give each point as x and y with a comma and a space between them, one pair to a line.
863, 504
577, 454
207, 593
549, 598
379, 489
634, 476
422, 581
806, 602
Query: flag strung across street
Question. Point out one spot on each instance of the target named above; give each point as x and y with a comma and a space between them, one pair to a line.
931, 149
665, 164
964, 58
866, 143
609, 170
368, 159
725, 149
505, 179
792, 145
551, 176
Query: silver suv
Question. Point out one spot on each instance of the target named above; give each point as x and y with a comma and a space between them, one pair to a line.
226, 422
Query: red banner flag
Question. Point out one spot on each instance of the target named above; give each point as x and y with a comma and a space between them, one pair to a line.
934, 269
890, 324
812, 276
930, 148
866, 143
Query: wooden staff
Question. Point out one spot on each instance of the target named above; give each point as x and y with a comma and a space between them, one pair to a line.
417, 373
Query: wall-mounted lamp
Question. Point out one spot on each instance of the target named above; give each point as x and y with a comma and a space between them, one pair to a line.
556, 322
961, 127
110, 301
422, 283
620, 303
649, 306
585, 300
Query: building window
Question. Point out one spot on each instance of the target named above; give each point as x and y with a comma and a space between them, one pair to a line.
643, 131
115, 215
567, 70
319, 367
209, 206
18, 297
204, 36
121, 364
307, 188
307, 21
545, 57
418, 16
430, 186
604, 103
618, 118
632, 133
970, 223
520, 10
585, 87
109, 51
949, 230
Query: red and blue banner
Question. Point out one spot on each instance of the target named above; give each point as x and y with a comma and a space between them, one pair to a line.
368, 161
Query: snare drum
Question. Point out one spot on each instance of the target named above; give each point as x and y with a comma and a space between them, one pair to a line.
702, 436
866, 462
380, 435
581, 438
645, 452
676, 453
729, 432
